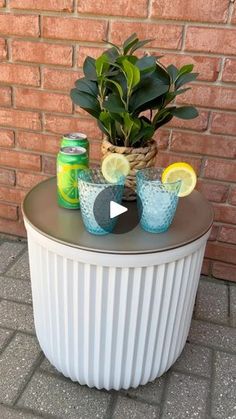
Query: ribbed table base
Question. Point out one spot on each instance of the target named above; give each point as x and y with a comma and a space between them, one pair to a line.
112, 321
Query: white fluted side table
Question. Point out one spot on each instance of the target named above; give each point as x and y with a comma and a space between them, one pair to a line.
113, 311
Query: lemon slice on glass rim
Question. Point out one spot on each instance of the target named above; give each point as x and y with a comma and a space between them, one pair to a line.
181, 171
114, 166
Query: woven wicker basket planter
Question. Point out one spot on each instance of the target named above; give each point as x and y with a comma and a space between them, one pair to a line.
139, 158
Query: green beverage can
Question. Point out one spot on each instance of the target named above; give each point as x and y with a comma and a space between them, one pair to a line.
70, 160
75, 139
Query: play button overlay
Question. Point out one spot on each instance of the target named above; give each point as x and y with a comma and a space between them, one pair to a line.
116, 209
109, 208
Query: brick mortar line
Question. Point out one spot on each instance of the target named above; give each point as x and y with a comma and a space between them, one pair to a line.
201, 156
149, 9
40, 25
84, 43
205, 133
221, 70
116, 18
192, 131
184, 35
230, 11
75, 7
209, 122
77, 115
70, 42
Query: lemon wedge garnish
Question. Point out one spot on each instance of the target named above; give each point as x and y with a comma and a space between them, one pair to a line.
181, 171
114, 166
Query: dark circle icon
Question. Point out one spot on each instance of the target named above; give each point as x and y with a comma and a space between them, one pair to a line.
112, 214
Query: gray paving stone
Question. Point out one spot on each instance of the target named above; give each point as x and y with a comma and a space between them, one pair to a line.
11, 413
212, 302
15, 289
194, 359
4, 337
132, 409
48, 367
186, 397
151, 392
213, 335
15, 364
21, 268
224, 392
233, 305
64, 399
8, 252
16, 316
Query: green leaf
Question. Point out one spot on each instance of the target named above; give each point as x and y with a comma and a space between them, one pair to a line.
150, 90
105, 119
117, 85
102, 65
145, 133
171, 95
112, 54
146, 64
173, 72
117, 117
90, 69
132, 74
162, 74
131, 41
131, 125
163, 121
181, 91
140, 44
113, 45
131, 58
185, 78
114, 104
185, 112
185, 69
86, 101
87, 86
161, 115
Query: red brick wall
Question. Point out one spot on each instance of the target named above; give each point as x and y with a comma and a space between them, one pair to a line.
42, 46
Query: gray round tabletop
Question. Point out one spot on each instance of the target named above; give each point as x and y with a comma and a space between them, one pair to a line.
193, 218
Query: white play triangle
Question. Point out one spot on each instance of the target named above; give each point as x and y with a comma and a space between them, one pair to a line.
116, 209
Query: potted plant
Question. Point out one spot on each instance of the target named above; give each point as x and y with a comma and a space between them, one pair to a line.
130, 97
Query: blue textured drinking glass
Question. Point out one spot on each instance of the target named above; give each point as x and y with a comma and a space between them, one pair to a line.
157, 201
91, 183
